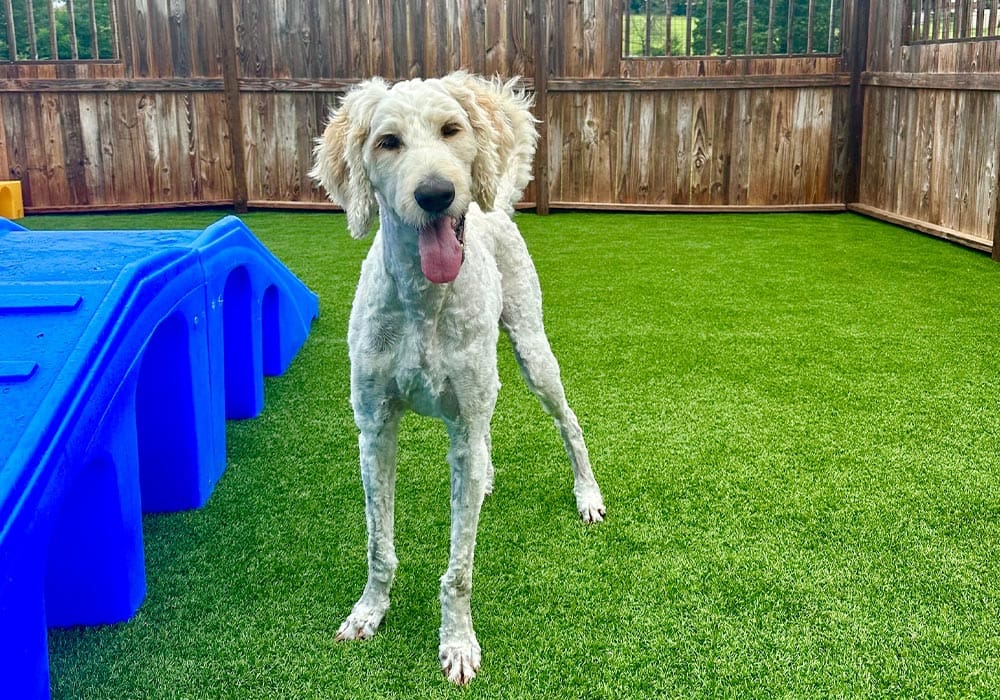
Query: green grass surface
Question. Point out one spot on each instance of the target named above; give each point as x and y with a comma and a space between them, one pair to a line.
635, 43
796, 423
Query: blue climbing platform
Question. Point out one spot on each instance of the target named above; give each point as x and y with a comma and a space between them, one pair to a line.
121, 356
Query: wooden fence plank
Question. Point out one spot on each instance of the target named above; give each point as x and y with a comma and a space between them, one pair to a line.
858, 61
5, 165
989, 82
932, 229
98, 147
740, 127
701, 155
697, 83
17, 158
74, 158
541, 77
233, 114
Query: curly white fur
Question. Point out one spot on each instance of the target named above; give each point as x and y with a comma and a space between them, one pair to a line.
439, 159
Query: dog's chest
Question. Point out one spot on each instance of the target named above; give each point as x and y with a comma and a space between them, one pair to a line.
422, 356
426, 361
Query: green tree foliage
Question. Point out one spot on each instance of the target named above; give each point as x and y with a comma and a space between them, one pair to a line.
770, 30
62, 28
773, 15
657, 7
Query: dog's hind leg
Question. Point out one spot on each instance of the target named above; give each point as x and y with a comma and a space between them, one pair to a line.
377, 442
459, 650
521, 319
541, 372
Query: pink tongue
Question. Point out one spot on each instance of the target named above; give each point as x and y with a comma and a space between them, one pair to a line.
440, 251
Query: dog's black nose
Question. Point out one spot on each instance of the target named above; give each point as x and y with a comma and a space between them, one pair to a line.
435, 194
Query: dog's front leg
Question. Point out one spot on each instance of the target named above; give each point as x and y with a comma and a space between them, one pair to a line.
459, 651
377, 442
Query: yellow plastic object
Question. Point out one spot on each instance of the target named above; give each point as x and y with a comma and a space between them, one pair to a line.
11, 204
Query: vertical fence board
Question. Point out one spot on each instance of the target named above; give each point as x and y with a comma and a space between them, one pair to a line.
90, 143
11, 109
415, 39
6, 171
232, 116
681, 140
700, 157
542, 109
739, 127
74, 157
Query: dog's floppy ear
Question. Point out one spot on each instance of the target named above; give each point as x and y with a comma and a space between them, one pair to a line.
339, 155
505, 137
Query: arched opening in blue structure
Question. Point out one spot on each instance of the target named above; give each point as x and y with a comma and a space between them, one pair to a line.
243, 400
95, 572
166, 422
272, 338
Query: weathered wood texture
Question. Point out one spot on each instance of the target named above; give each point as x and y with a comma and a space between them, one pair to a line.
156, 128
932, 156
317, 39
106, 149
700, 147
169, 38
931, 153
153, 128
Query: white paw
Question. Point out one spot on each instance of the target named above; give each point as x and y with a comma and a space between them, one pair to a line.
460, 660
590, 505
361, 623
489, 480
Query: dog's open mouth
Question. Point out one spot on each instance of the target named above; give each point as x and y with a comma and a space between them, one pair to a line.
442, 248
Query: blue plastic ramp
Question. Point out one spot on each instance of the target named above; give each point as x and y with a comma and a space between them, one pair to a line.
121, 356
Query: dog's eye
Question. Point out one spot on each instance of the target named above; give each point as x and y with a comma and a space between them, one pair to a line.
389, 142
450, 129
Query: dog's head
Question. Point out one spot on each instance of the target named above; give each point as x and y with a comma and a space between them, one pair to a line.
426, 149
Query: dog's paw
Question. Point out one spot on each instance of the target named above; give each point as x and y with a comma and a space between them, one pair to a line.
361, 623
590, 505
488, 490
460, 660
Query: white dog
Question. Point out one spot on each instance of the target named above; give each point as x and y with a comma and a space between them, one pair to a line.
442, 162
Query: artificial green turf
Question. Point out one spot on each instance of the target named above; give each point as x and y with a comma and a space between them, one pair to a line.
795, 421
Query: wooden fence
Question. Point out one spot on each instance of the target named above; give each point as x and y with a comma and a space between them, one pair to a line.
219, 103
931, 153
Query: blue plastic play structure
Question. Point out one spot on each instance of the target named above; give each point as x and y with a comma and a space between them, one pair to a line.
121, 356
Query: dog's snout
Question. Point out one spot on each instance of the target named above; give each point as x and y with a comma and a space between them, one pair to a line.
435, 194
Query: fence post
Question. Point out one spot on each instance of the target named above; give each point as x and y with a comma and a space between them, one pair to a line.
542, 107
857, 54
234, 117
996, 216
995, 228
